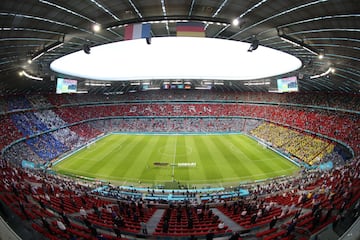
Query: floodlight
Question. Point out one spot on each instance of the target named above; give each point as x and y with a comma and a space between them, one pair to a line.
96, 27
235, 22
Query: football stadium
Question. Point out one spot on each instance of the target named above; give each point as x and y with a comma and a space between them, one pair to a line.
177, 119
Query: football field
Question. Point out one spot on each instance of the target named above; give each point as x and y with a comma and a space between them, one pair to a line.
189, 159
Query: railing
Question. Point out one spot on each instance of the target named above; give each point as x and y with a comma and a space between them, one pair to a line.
6, 232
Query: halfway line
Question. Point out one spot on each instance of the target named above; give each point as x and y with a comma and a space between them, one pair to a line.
173, 165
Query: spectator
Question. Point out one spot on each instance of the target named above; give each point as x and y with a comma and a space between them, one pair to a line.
190, 223
61, 225
83, 212
234, 236
65, 219
291, 227
165, 228
46, 225
117, 231
210, 235
221, 225
143, 227
273, 222
253, 218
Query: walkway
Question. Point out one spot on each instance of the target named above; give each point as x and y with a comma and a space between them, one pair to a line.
233, 226
154, 220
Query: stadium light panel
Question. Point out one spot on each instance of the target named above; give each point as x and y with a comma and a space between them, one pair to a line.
127, 61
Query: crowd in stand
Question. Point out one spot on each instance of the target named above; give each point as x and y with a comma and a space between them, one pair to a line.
333, 157
38, 101
8, 131
53, 204
201, 117
3, 105
343, 127
64, 135
22, 151
17, 102
305, 147
327, 100
170, 125
317, 121
341, 101
28, 123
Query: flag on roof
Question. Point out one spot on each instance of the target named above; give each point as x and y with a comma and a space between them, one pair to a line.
136, 31
190, 29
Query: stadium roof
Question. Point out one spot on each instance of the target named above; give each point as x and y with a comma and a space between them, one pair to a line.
329, 27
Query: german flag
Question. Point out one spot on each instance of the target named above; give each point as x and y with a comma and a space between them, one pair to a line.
190, 29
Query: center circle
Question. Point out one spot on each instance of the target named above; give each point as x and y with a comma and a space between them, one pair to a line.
179, 151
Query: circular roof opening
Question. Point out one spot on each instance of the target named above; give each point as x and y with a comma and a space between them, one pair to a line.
176, 58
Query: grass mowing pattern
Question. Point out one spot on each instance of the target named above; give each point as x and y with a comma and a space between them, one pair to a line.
220, 159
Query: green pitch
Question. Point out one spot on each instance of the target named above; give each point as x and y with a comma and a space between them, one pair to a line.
220, 159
